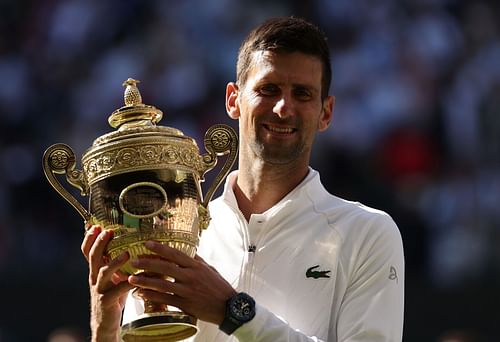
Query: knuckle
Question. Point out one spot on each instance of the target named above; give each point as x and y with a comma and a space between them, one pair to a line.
101, 298
144, 263
191, 276
102, 272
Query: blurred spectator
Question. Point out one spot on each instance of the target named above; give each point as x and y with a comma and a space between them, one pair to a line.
66, 334
459, 336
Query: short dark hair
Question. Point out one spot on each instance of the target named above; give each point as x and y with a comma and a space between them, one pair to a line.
285, 34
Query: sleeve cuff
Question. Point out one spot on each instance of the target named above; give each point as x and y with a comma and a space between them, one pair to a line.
265, 326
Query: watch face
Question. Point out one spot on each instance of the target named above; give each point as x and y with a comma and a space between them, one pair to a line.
242, 308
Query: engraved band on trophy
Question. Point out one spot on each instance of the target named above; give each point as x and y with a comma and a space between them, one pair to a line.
143, 182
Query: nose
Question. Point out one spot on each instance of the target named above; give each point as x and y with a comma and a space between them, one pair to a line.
283, 107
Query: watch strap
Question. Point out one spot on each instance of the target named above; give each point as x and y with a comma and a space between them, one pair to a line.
229, 325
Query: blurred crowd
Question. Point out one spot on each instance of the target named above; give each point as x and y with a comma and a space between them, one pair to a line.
416, 129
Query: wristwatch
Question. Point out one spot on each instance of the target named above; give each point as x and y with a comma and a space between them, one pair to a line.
240, 309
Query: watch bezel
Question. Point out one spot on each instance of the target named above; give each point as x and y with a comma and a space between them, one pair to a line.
234, 318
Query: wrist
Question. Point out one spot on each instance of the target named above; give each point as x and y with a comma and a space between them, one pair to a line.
103, 330
105, 335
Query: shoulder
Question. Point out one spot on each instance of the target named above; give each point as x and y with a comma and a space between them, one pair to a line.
343, 213
217, 204
371, 240
356, 223
356, 220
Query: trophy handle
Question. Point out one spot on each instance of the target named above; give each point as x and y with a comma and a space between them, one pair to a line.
219, 140
60, 159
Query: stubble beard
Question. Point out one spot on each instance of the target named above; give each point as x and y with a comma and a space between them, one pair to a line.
275, 154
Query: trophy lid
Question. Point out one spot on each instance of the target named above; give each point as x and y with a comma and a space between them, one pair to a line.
138, 143
135, 117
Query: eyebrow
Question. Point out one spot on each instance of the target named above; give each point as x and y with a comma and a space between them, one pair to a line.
267, 80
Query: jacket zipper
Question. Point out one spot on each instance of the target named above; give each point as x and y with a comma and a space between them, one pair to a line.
247, 264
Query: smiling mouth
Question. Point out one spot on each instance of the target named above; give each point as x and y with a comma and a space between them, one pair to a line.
280, 130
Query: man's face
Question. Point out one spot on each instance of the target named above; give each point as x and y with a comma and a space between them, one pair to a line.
280, 107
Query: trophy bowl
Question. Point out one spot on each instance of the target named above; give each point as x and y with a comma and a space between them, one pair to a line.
143, 182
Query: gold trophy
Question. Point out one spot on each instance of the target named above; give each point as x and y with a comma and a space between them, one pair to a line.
143, 182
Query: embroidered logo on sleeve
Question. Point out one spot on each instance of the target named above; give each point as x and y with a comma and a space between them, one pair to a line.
312, 273
393, 274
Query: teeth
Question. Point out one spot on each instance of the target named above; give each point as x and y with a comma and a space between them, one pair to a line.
280, 129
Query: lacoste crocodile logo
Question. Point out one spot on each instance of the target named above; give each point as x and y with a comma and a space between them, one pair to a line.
311, 273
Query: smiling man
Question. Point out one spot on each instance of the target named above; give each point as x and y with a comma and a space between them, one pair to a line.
283, 260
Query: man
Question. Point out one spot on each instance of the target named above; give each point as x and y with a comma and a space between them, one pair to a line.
315, 267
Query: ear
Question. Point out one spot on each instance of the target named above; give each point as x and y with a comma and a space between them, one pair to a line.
232, 103
327, 113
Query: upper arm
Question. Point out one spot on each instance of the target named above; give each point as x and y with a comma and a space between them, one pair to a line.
373, 304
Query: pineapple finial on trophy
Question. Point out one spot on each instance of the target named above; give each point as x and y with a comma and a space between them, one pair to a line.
134, 113
132, 96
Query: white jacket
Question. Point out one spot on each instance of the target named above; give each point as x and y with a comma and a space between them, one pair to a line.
324, 269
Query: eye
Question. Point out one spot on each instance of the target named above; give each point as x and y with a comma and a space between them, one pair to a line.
269, 89
302, 93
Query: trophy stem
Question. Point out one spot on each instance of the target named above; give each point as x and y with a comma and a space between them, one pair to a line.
159, 322
152, 307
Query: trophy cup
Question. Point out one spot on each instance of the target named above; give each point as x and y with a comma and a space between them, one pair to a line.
143, 182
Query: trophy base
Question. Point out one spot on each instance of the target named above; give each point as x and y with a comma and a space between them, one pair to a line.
165, 326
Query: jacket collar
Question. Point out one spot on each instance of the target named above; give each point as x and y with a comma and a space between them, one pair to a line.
311, 182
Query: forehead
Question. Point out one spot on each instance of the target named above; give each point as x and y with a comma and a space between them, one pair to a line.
286, 67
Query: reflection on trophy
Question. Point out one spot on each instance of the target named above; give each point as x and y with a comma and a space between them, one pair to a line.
143, 182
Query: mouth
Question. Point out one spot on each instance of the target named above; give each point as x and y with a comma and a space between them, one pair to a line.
279, 129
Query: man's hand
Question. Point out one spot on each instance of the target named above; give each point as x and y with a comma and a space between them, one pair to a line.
108, 287
198, 289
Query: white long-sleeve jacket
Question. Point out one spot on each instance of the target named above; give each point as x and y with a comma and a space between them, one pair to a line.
323, 269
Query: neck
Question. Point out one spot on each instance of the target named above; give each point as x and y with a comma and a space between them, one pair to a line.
260, 186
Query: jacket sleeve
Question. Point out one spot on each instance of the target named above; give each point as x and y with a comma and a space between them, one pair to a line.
372, 306
267, 327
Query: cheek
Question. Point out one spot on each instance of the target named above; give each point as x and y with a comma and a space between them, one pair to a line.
253, 109
313, 123
246, 125
256, 103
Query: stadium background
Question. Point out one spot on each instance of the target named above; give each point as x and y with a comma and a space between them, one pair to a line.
416, 133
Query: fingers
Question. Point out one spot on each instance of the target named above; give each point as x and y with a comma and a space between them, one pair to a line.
160, 266
108, 275
112, 295
96, 254
170, 254
200, 290
201, 260
88, 241
119, 277
184, 290
156, 284
171, 263
165, 298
